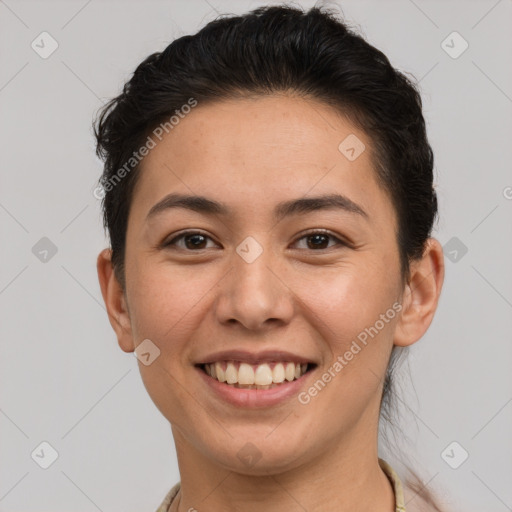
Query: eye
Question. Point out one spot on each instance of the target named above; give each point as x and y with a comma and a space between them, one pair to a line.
316, 240
193, 240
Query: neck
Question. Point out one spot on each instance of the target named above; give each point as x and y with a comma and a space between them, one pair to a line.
346, 477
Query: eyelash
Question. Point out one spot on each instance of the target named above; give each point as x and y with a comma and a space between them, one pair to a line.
305, 235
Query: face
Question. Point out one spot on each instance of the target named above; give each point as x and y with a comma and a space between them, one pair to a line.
264, 275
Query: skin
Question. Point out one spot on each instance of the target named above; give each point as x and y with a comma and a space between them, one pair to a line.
252, 154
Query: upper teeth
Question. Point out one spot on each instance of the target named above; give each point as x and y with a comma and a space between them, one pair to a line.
234, 372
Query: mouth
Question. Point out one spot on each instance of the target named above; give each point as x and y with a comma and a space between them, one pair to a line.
262, 376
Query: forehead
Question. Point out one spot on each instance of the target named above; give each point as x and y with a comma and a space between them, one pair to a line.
261, 150
272, 132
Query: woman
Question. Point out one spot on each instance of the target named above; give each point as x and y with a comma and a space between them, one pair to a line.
269, 200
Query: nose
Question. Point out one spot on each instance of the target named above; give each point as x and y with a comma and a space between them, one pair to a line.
254, 294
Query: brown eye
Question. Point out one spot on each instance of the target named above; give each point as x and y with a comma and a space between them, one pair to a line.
319, 240
192, 241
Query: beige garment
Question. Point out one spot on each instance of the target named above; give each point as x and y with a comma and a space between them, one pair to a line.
393, 478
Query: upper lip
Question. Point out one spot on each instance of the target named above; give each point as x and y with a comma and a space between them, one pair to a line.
254, 357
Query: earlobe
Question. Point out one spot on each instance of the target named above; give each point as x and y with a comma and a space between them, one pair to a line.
115, 301
421, 295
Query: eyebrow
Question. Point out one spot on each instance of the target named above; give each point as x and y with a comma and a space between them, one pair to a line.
303, 205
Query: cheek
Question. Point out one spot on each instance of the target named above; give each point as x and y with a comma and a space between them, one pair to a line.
161, 302
349, 300
353, 313
355, 319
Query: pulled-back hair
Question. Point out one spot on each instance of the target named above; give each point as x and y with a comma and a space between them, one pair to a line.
279, 50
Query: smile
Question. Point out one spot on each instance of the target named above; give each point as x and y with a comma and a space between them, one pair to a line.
243, 375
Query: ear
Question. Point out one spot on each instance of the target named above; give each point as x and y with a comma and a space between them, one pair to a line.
421, 295
115, 301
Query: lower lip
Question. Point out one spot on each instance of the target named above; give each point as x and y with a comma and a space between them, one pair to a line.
255, 398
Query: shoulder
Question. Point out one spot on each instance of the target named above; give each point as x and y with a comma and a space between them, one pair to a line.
166, 503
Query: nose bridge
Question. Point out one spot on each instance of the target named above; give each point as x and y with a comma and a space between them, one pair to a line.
252, 294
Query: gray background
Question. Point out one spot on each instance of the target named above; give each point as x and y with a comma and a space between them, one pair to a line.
63, 378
